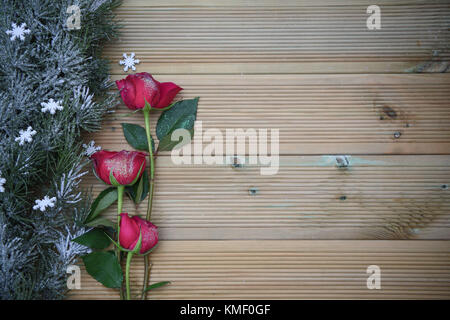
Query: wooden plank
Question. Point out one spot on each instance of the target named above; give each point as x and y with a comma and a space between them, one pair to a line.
265, 68
206, 37
375, 197
273, 3
289, 270
312, 70
318, 114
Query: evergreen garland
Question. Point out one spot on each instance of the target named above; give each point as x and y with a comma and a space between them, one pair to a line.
51, 62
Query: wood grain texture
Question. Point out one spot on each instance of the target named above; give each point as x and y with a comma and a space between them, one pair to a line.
312, 70
290, 270
375, 197
319, 114
282, 37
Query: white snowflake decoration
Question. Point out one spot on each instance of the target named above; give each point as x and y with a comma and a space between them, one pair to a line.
2, 182
18, 32
44, 203
25, 136
51, 106
90, 148
129, 62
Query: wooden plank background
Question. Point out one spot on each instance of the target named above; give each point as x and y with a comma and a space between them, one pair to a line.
333, 88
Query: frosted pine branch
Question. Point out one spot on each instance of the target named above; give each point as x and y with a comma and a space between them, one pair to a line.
46, 68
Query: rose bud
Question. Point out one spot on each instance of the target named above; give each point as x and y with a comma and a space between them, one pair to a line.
138, 88
126, 167
130, 230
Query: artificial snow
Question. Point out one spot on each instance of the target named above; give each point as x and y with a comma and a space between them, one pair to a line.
90, 148
44, 203
129, 62
51, 106
25, 136
18, 32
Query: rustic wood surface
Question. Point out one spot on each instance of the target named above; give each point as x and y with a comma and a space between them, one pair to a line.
290, 269
333, 89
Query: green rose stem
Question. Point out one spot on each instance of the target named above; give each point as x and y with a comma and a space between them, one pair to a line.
152, 161
150, 197
127, 274
120, 191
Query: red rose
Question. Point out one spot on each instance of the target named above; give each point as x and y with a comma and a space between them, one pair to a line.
137, 88
130, 229
126, 166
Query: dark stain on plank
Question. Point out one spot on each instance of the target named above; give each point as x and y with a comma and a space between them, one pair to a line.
253, 191
390, 112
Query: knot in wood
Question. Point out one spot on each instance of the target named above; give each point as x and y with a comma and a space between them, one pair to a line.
342, 161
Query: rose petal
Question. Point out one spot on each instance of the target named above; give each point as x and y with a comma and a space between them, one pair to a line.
168, 91
128, 92
101, 167
152, 89
139, 101
125, 166
149, 234
129, 232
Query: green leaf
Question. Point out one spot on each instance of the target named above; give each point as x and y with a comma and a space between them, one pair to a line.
113, 179
181, 115
136, 136
139, 190
101, 221
104, 267
106, 198
156, 285
94, 239
167, 144
169, 106
138, 245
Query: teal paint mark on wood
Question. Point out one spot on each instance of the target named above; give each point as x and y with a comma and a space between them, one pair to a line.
330, 161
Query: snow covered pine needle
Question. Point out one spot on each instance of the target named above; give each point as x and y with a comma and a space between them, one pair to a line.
18, 31
51, 106
129, 62
2, 182
40, 138
90, 148
25, 136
